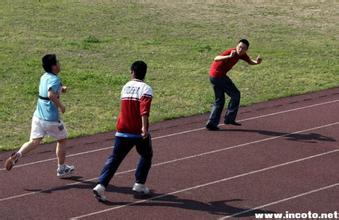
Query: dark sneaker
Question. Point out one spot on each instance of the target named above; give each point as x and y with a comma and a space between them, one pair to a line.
65, 171
11, 161
212, 127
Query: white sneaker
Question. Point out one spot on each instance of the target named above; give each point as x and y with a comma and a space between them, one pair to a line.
98, 192
65, 170
141, 188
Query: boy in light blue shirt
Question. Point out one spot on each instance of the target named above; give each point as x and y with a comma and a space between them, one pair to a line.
46, 109
46, 119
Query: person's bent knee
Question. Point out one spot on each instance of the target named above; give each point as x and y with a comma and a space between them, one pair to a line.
220, 102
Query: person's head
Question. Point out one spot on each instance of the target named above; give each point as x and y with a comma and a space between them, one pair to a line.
50, 63
242, 46
139, 69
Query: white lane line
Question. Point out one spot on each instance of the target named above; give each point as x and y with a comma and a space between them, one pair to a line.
281, 200
205, 184
173, 134
181, 159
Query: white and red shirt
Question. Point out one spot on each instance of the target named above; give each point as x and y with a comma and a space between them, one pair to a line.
136, 98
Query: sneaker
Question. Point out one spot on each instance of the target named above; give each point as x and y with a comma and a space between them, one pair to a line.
212, 127
232, 123
65, 170
98, 192
11, 161
141, 188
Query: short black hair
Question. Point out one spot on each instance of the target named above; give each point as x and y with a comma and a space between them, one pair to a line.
48, 61
139, 68
244, 41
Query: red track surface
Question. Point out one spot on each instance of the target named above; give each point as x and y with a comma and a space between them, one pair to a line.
284, 158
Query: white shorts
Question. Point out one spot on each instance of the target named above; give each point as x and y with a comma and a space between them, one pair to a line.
41, 128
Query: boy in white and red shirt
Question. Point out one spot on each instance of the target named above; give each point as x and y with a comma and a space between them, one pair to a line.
132, 130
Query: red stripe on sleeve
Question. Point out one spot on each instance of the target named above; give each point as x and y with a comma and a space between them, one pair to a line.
145, 105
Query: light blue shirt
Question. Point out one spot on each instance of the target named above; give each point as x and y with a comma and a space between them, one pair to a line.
46, 109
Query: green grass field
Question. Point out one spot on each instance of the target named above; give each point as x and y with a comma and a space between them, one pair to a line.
97, 40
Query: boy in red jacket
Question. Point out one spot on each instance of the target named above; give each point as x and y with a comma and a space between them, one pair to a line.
132, 130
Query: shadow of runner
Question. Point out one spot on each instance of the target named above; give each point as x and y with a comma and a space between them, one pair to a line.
222, 207
307, 138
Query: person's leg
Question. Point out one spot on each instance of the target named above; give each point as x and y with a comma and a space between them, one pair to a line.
37, 134
25, 148
29, 146
60, 151
219, 103
121, 148
58, 131
144, 148
63, 169
233, 105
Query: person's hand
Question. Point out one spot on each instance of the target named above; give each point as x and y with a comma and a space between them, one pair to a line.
62, 109
233, 53
144, 133
259, 59
64, 89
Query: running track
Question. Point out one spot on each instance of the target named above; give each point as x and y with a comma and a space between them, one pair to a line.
284, 158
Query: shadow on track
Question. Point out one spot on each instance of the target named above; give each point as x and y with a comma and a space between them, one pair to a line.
222, 207
307, 138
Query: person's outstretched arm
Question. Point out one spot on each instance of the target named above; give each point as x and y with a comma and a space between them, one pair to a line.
225, 57
250, 61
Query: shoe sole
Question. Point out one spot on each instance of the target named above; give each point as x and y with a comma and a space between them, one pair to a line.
213, 129
232, 124
141, 192
65, 175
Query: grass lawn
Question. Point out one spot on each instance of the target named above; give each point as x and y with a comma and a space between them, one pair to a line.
97, 40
